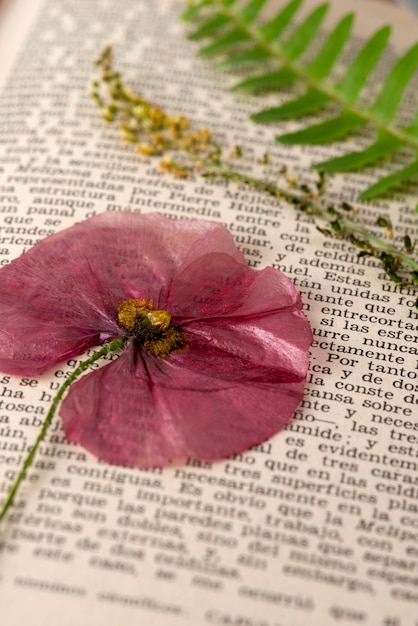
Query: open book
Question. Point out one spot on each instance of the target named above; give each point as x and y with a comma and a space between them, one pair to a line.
318, 525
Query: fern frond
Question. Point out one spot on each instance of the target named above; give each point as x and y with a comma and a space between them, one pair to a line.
237, 32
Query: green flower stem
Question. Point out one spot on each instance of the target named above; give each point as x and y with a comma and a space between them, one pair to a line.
379, 243
315, 209
109, 347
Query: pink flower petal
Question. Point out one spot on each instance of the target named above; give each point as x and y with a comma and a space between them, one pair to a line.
162, 412
216, 285
213, 285
60, 297
113, 412
264, 337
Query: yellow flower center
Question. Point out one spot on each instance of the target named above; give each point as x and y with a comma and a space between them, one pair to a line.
151, 328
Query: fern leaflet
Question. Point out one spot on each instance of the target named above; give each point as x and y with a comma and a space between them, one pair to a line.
236, 32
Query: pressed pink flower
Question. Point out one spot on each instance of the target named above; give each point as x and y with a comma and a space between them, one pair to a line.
216, 354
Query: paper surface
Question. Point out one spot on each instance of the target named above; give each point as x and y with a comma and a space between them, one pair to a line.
317, 526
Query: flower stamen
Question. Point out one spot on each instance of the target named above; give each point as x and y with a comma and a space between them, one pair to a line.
151, 328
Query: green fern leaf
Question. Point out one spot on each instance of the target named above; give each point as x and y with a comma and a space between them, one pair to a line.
386, 104
252, 10
328, 131
385, 144
236, 35
274, 28
412, 130
278, 46
384, 109
362, 66
214, 25
312, 100
209, 28
252, 54
330, 51
192, 10
388, 182
271, 81
308, 103
304, 34
195, 8
319, 68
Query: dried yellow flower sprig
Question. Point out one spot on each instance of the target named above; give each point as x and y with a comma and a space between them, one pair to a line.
153, 131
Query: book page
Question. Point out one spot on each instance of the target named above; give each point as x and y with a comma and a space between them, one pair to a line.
318, 525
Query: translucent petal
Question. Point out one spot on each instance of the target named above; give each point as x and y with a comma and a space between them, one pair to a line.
213, 285
163, 412
266, 338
